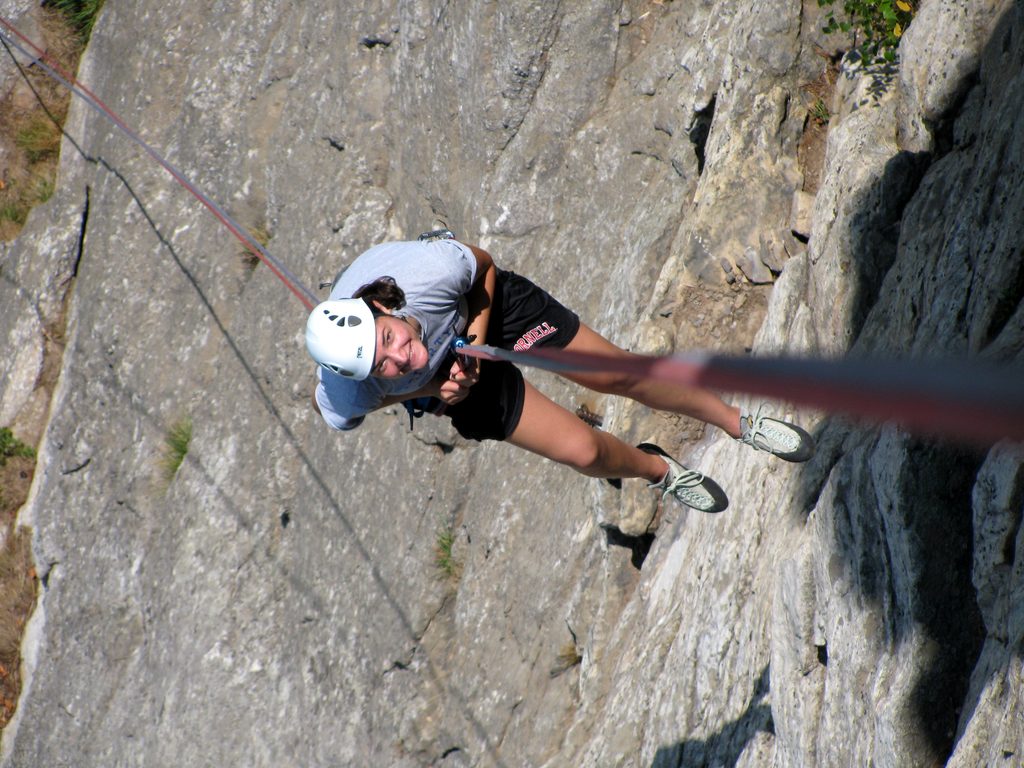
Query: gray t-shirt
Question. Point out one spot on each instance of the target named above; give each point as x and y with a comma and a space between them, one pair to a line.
435, 277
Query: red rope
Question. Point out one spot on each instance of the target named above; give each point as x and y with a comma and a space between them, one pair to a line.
977, 402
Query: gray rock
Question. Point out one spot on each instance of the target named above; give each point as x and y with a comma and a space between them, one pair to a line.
773, 253
800, 214
753, 268
792, 245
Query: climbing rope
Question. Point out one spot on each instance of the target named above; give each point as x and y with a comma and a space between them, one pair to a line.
977, 401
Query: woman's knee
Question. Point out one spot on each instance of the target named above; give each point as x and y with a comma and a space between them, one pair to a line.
585, 455
582, 452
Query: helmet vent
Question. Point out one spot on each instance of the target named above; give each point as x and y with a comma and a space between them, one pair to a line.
352, 320
338, 369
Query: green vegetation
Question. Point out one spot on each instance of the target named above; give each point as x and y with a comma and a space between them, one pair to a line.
877, 25
448, 566
820, 112
12, 446
15, 214
44, 189
39, 190
80, 14
176, 444
39, 139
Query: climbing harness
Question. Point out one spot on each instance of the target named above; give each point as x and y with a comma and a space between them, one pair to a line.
422, 405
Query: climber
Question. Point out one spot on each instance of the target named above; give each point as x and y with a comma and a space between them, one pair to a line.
384, 337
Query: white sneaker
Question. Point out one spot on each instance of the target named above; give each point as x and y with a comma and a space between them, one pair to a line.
687, 486
785, 440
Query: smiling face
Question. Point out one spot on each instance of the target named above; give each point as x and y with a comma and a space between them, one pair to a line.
399, 348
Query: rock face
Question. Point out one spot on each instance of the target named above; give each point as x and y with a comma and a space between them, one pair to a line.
278, 602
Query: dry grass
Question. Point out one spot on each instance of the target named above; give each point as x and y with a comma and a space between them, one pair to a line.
261, 234
18, 580
33, 113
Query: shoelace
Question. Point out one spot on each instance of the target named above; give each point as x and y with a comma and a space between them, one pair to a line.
763, 436
688, 478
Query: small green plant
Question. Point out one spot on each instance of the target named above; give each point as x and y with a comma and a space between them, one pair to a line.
176, 444
13, 213
445, 561
39, 139
877, 24
12, 446
820, 112
80, 14
44, 188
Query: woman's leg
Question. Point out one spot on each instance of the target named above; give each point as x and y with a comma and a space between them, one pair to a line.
698, 403
547, 429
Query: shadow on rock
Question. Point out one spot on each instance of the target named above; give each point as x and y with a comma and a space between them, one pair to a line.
724, 747
936, 270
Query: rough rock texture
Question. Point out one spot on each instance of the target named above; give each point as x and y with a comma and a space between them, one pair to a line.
278, 603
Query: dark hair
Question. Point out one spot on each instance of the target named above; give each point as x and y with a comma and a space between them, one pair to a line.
383, 290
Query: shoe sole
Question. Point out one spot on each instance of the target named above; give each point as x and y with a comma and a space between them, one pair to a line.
721, 501
806, 449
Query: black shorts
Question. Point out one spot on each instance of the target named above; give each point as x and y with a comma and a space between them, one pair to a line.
523, 316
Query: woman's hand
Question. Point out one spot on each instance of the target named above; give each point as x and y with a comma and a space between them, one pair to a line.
463, 374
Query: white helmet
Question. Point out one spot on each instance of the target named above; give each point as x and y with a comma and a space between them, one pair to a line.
341, 336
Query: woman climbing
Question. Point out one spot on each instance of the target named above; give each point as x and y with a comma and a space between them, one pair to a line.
385, 336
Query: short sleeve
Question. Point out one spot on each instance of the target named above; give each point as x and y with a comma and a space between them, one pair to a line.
344, 403
463, 269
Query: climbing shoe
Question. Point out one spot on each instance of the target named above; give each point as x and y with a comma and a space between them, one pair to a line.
785, 440
687, 486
